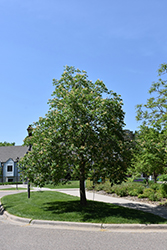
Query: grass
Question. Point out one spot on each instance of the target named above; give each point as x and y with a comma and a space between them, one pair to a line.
71, 184
13, 189
49, 205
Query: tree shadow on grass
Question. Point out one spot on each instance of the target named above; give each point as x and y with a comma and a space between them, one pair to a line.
100, 212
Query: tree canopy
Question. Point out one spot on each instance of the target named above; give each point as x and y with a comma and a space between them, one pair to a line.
7, 144
81, 135
149, 156
154, 112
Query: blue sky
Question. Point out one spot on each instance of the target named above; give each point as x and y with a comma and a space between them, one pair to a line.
120, 42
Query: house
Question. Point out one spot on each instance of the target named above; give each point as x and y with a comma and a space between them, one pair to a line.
9, 157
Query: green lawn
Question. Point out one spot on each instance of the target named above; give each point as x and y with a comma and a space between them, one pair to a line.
71, 184
12, 189
49, 205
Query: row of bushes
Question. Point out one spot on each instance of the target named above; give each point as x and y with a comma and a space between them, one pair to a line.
155, 192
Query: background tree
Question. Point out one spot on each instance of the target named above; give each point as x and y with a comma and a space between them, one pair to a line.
154, 112
7, 144
149, 156
82, 134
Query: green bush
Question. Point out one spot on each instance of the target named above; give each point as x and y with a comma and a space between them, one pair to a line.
140, 196
163, 190
120, 190
136, 191
146, 193
133, 192
99, 187
153, 197
159, 195
154, 186
138, 187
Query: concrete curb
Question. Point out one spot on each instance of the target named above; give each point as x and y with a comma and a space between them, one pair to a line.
85, 225
16, 218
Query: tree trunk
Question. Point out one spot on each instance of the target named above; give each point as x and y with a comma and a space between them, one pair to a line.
155, 177
147, 180
82, 185
82, 192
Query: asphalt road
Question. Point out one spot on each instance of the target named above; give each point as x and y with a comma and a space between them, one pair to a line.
18, 237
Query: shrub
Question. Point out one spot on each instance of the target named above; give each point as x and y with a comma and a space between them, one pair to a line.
136, 191
138, 187
120, 190
153, 197
140, 196
159, 195
154, 186
133, 192
146, 193
163, 190
89, 185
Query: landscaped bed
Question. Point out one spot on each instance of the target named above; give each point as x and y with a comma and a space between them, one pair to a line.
155, 193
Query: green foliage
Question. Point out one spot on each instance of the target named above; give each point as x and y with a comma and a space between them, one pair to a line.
133, 192
7, 144
81, 135
154, 112
159, 195
136, 191
120, 190
162, 177
155, 192
149, 155
153, 197
11, 183
163, 190
147, 192
154, 186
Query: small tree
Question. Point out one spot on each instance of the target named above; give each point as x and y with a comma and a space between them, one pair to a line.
153, 115
154, 112
81, 135
149, 156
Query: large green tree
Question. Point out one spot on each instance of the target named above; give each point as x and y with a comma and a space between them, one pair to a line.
81, 135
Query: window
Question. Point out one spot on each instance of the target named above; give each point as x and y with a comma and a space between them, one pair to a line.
9, 168
10, 180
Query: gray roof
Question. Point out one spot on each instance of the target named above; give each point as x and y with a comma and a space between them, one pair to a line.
12, 152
